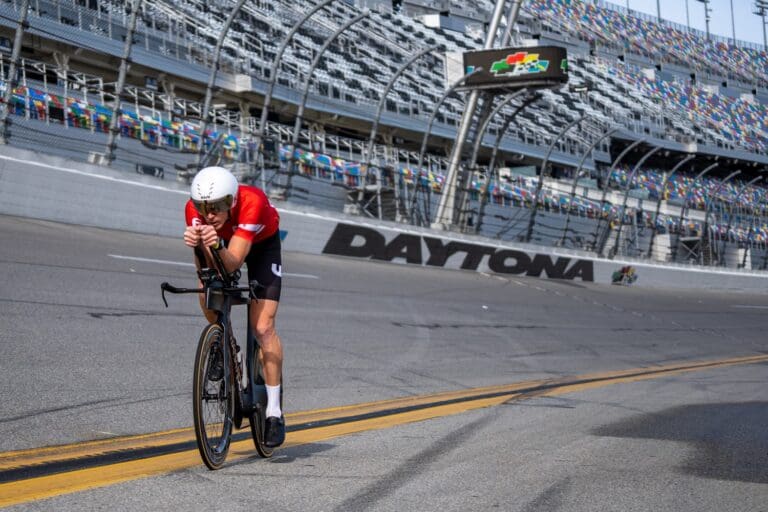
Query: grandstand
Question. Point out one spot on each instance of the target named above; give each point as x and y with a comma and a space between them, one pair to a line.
650, 84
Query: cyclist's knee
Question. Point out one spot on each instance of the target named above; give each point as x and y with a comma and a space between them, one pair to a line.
265, 330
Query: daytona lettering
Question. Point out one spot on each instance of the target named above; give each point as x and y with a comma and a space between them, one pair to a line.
363, 242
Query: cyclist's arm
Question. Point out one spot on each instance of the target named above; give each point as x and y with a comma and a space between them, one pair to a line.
192, 239
234, 254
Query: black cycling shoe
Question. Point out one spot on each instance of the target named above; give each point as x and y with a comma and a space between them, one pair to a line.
274, 432
215, 365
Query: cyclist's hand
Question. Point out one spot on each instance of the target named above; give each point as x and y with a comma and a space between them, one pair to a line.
208, 235
192, 236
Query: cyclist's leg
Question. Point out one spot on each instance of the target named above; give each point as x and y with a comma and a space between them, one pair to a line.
265, 266
263, 314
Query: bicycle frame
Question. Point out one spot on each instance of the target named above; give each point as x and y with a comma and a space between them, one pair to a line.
221, 293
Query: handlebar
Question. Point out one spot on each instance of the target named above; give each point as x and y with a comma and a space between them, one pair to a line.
217, 275
230, 290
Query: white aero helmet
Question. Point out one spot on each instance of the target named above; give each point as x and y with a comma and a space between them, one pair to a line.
214, 189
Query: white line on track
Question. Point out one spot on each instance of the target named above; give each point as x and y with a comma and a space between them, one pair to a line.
747, 306
188, 264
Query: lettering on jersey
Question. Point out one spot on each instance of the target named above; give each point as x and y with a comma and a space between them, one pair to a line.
196, 221
364, 242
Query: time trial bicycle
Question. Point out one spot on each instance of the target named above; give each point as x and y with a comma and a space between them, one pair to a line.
222, 398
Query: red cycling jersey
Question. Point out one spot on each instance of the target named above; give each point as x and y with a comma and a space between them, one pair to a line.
253, 217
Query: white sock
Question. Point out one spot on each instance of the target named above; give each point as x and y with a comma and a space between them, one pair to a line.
273, 402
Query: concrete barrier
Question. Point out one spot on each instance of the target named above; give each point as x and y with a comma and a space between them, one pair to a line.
50, 188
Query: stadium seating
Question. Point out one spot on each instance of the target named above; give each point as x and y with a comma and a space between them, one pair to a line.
357, 67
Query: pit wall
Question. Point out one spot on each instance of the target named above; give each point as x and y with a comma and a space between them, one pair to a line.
50, 188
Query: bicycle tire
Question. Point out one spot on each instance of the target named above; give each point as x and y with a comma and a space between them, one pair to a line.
256, 419
213, 402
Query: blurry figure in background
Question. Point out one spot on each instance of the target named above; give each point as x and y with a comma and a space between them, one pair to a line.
626, 276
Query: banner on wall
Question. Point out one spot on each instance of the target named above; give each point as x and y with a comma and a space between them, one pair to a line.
368, 243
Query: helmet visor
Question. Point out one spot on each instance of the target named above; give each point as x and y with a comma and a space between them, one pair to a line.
216, 206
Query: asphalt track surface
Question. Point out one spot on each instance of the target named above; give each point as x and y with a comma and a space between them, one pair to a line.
91, 357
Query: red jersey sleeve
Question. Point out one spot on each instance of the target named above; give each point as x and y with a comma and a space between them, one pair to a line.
192, 215
256, 218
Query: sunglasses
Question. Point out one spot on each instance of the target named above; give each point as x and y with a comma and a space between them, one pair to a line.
218, 206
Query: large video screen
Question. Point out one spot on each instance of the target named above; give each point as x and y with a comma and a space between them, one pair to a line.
536, 65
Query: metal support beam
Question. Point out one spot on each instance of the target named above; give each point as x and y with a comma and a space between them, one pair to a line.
485, 123
514, 11
607, 182
114, 122
451, 89
10, 82
375, 125
205, 116
305, 93
684, 207
743, 189
664, 182
576, 177
444, 216
543, 172
626, 196
273, 76
492, 163
707, 208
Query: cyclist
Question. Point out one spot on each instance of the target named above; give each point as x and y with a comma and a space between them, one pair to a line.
239, 222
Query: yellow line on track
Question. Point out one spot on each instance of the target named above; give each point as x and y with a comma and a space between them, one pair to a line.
42, 487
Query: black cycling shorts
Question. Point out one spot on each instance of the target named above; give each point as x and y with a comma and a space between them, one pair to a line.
265, 266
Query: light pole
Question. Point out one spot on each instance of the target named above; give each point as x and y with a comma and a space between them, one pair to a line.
444, 216
761, 9
707, 10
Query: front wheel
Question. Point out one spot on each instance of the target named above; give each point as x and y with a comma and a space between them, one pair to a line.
213, 398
